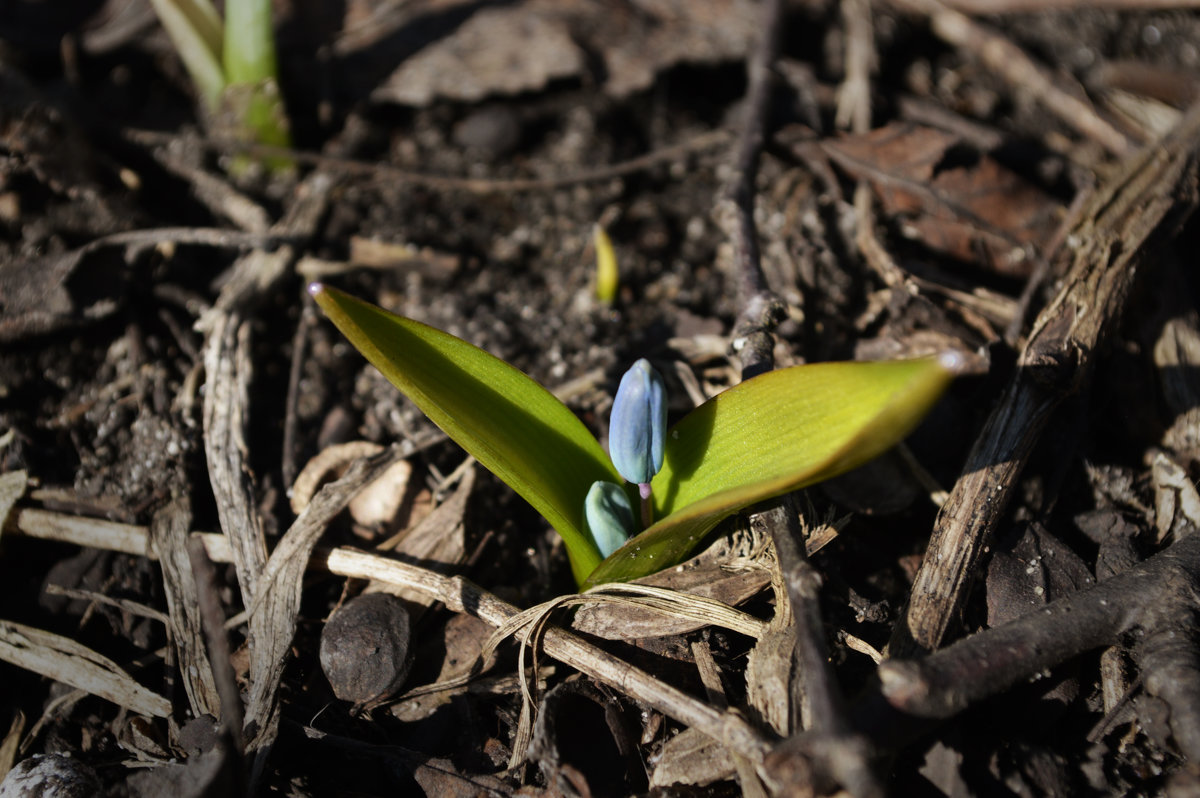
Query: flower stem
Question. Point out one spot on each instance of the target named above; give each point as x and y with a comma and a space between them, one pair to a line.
647, 507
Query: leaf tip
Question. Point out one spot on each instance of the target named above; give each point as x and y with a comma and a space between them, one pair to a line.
315, 289
953, 361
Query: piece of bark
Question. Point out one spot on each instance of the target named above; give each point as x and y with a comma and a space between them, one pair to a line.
169, 537
226, 413
64, 660
770, 669
1112, 240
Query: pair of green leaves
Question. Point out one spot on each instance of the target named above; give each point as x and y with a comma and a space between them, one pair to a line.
767, 436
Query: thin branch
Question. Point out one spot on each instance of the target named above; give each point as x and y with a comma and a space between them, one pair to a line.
461, 595
913, 694
290, 418
346, 166
734, 211
1039, 6
213, 624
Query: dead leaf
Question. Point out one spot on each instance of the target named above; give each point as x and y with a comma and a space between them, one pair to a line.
329, 464
950, 197
691, 757
523, 46
438, 542
504, 50
1177, 358
12, 487
1176, 501
1039, 569
710, 574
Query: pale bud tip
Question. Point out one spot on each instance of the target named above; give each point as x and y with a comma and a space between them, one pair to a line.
952, 361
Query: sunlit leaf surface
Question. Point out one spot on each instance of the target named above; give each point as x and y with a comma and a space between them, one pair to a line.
512, 425
772, 434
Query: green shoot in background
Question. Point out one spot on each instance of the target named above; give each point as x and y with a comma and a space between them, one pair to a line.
233, 67
770, 435
608, 276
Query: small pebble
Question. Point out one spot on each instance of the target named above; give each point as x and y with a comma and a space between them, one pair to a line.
366, 649
50, 776
489, 132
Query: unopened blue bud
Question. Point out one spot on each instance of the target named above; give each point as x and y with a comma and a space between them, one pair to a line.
638, 425
609, 516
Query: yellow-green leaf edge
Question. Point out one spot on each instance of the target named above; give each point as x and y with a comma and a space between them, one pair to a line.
512, 425
770, 435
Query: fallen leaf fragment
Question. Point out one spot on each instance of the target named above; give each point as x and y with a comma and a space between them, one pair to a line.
952, 198
64, 660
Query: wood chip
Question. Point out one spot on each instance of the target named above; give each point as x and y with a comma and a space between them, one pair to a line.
64, 660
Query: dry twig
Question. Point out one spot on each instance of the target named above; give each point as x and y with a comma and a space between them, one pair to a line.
836, 756
1156, 597
346, 166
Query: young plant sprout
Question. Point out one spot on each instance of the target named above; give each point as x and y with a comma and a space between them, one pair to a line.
608, 276
233, 66
772, 434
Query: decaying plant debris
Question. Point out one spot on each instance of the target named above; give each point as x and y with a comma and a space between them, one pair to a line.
197, 475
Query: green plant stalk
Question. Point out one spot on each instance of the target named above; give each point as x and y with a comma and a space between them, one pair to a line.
608, 275
194, 28
251, 98
249, 45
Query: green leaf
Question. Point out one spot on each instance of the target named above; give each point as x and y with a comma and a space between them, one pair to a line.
251, 104
770, 435
249, 52
194, 27
509, 423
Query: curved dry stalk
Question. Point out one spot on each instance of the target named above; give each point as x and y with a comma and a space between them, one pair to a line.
460, 595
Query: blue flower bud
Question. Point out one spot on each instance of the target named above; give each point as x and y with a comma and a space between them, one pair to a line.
609, 516
638, 425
